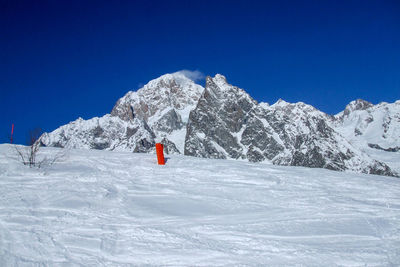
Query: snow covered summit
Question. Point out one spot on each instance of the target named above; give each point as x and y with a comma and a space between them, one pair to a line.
370, 125
159, 111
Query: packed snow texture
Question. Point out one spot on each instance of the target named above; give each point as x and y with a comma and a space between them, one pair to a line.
107, 208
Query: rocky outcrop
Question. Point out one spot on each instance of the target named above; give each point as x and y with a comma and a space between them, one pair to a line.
217, 119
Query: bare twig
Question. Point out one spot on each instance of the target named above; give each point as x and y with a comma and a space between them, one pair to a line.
29, 155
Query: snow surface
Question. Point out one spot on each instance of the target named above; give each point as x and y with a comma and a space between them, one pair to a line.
102, 208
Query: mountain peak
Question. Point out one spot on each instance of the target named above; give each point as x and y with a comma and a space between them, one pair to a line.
169, 80
280, 103
218, 79
358, 104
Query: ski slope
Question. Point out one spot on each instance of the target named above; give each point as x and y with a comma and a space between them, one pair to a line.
102, 208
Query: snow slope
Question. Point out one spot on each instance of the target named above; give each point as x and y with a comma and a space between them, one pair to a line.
103, 208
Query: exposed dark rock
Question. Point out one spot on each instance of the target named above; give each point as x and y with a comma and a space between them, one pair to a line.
169, 122
144, 146
169, 147
130, 132
389, 149
100, 146
97, 132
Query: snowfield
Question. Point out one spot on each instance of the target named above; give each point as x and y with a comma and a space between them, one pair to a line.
102, 208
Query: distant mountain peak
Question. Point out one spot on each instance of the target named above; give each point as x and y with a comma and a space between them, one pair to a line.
358, 104
169, 80
281, 103
370, 126
220, 78
219, 81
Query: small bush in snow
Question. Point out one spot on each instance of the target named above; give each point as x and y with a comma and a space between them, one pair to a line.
29, 155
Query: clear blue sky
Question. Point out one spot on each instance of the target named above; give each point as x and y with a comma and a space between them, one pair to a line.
60, 60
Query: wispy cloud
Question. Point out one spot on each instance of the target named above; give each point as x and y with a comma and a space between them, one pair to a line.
194, 75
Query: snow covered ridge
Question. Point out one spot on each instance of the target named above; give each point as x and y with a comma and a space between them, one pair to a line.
107, 208
223, 121
374, 125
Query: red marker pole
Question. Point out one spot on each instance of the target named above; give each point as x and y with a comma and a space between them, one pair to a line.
160, 153
12, 132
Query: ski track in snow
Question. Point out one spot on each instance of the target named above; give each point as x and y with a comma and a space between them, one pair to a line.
99, 208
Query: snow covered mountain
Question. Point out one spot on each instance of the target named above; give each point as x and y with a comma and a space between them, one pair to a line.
157, 112
107, 208
223, 121
165, 104
365, 124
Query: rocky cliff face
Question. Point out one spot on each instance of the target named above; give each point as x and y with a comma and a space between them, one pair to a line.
228, 123
216, 121
223, 121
